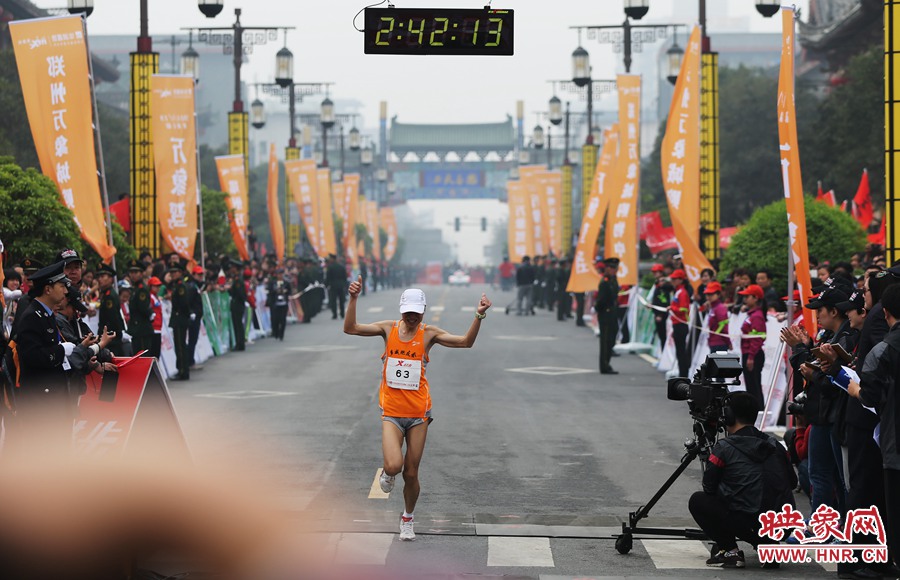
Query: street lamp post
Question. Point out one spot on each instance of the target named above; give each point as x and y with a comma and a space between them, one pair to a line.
237, 43
326, 118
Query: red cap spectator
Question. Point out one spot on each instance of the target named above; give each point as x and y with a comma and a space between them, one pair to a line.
712, 287
679, 273
753, 290
197, 270
657, 268
154, 281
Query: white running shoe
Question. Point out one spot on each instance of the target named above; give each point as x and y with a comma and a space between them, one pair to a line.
386, 482
406, 530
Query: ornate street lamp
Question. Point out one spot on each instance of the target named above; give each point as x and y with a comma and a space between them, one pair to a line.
81, 7
190, 60
366, 156
555, 112
210, 8
767, 9
636, 9
354, 139
257, 114
537, 137
284, 67
391, 187
674, 55
327, 113
581, 67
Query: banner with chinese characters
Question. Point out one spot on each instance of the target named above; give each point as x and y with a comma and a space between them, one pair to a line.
175, 160
528, 175
389, 223
621, 219
52, 59
680, 159
550, 186
790, 167
303, 182
233, 181
520, 232
276, 226
325, 217
584, 276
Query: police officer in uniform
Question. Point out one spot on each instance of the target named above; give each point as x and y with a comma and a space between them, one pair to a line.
37, 364
196, 284
607, 307
110, 308
238, 292
180, 321
140, 325
277, 295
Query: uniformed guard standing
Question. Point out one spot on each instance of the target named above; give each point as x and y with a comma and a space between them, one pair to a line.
238, 292
607, 307
180, 321
563, 300
196, 284
278, 292
140, 325
110, 309
37, 363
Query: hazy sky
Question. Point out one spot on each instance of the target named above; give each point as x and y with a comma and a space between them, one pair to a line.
435, 89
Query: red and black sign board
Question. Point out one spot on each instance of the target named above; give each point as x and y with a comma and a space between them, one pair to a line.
130, 414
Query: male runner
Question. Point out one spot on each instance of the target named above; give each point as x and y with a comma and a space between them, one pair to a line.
404, 396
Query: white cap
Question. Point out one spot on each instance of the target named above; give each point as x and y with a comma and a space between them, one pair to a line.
412, 300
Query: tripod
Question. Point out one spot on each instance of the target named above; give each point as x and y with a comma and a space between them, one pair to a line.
705, 436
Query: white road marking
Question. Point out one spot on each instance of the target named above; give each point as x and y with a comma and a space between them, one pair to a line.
468, 309
246, 395
375, 492
368, 549
374, 309
551, 371
519, 552
677, 554
436, 308
525, 338
321, 348
650, 359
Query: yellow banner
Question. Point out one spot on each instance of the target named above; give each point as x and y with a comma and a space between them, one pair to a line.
233, 182
550, 185
276, 226
621, 219
528, 175
175, 160
389, 223
325, 215
303, 182
52, 59
584, 276
680, 157
520, 232
790, 167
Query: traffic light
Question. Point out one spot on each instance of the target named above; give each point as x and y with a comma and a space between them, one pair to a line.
484, 224
456, 224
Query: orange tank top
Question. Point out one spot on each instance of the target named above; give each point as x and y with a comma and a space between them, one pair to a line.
404, 388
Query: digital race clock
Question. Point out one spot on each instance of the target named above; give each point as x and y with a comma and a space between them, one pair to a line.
452, 31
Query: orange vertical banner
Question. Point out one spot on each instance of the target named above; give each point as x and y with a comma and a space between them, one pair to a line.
341, 208
389, 223
52, 58
790, 167
303, 182
550, 189
276, 226
175, 160
233, 181
621, 219
372, 224
520, 232
680, 160
325, 215
584, 276
528, 175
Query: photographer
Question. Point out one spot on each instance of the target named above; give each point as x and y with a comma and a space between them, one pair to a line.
748, 473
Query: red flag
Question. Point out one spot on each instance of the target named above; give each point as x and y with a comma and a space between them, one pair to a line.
844, 205
830, 198
725, 235
122, 213
820, 195
862, 202
879, 237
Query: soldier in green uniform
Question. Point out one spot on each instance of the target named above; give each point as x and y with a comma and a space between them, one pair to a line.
607, 307
140, 326
180, 321
110, 311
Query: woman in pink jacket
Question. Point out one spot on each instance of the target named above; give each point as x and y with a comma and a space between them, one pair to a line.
752, 354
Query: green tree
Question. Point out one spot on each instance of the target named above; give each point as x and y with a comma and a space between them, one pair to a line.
33, 221
849, 135
832, 235
216, 228
363, 234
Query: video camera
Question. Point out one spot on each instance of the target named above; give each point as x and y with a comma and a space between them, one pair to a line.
706, 393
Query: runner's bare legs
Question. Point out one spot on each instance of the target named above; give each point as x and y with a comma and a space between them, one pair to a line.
394, 461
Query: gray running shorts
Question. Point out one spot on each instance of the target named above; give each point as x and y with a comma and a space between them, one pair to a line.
407, 423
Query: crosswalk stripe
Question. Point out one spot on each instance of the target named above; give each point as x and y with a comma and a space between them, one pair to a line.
367, 549
374, 309
468, 309
436, 308
375, 492
519, 552
677, 554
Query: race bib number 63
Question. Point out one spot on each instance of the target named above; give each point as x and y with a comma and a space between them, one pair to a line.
402, 373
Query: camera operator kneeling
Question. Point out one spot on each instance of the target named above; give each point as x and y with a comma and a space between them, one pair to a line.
748, 473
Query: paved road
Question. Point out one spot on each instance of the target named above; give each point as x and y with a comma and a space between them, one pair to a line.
532, 461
